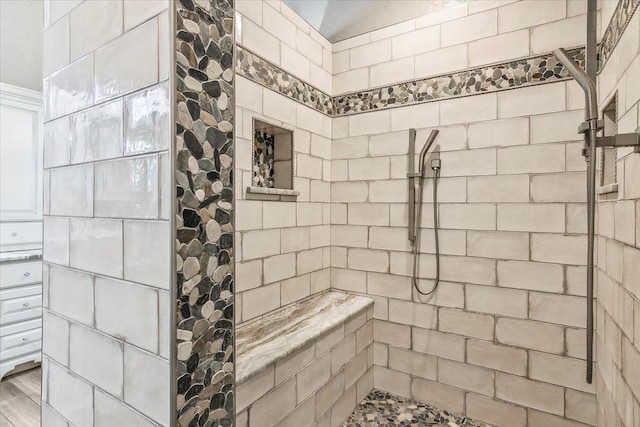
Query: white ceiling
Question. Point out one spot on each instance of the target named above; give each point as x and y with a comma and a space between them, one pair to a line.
21, 23
341, 19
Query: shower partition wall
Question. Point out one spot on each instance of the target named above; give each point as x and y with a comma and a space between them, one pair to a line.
503, 337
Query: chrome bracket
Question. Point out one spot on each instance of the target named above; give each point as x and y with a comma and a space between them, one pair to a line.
586, 126
620, 140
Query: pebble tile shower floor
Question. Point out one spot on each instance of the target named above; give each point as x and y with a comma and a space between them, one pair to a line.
380, 408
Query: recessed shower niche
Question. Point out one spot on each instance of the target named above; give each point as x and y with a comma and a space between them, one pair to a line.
272, 174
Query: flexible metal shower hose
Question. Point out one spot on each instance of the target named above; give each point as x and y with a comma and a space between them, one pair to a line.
416, 244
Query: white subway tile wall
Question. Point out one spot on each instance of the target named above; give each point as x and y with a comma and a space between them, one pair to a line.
504, 201
617, 338
469, 34
283, 252
106, 348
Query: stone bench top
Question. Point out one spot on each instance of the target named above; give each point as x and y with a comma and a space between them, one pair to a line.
261, 343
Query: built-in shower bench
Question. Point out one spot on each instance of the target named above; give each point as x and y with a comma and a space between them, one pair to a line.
306, 364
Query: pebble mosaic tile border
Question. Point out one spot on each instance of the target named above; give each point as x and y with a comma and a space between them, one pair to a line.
527, 71
263, 72
520, 72
204, 208
380, 408
619, 21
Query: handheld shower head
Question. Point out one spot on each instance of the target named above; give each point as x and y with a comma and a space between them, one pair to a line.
425, 149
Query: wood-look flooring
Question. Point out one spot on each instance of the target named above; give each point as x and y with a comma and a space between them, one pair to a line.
20, 399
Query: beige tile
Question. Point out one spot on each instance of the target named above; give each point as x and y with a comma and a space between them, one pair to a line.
355, 369
497, 357
466, 377
539, 336
502, 47
469, 109
260, 301
412, 314
349, 280
438, 344
413, 363
469, 28
559, 370
329, 340
495, 412
498, 244
392, 333
438, 395
559, 309
528, 14
542, 99
392, 381
532, 394
467, 324
531, 159
512, 188
580, 406
558, 248
342, 353
542, 419
547, 217
343, 407
533, 276
312, 377
468, 270
492, 300
272, 407
329, 394
568, 187
388, 285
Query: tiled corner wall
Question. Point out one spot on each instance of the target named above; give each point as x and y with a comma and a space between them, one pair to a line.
282, 250
106, 226
511, 206
618, 274
512, 212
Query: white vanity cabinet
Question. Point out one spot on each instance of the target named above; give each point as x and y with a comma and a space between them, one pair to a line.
21, 206
20, 309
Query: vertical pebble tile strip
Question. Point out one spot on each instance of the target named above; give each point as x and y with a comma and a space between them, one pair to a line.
204, 209
380, 408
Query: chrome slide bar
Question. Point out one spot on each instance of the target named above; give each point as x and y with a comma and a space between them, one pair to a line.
590, 136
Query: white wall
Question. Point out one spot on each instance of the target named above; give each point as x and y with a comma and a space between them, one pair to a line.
106, 225
21, 43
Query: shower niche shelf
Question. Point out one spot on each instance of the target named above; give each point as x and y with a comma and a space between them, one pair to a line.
273, 163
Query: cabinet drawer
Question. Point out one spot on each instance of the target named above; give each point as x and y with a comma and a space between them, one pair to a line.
10, 342
19, 327
20, 350
19, 233
20, 273
20, 304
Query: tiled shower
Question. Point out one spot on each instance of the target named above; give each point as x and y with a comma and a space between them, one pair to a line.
249, 265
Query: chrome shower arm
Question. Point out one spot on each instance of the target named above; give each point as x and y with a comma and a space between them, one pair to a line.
588, 85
